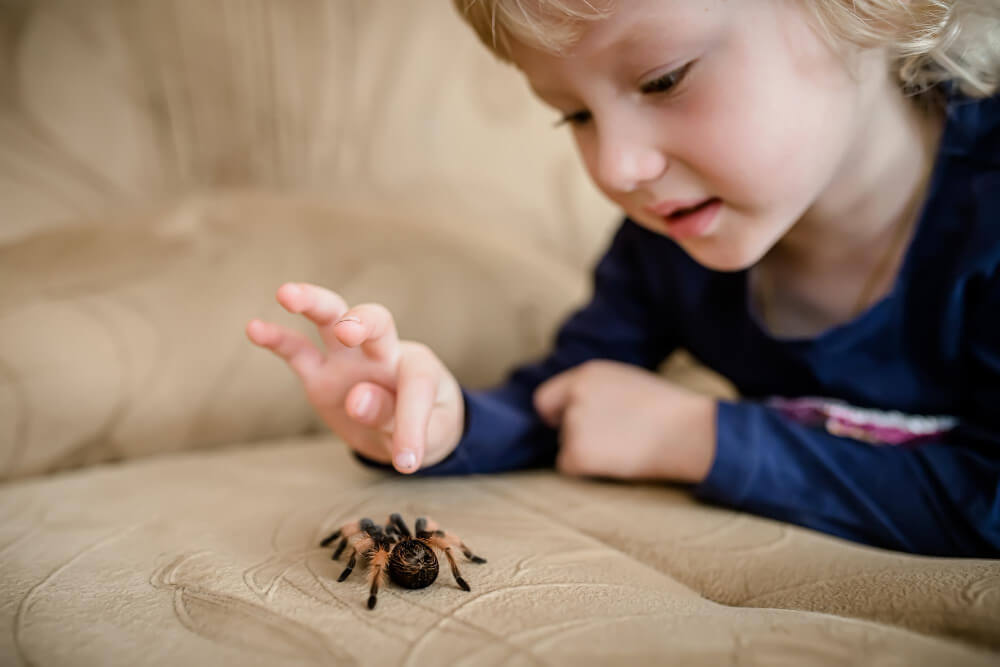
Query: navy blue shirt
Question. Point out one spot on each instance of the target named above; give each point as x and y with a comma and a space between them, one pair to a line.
930, 347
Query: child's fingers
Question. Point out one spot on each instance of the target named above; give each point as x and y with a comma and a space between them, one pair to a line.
323, 307
371, 326
290, 345
552, 397
417, 388
371, 405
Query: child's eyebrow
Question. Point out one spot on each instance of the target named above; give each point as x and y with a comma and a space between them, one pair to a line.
630, 45
639, 34
665, 38
639, 37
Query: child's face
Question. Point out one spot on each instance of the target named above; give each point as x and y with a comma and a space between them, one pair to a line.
760, 118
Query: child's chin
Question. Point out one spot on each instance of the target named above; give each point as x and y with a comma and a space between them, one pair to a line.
720, 256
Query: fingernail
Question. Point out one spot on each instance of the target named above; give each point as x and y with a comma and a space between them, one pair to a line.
361, 407
350, 318
405, 460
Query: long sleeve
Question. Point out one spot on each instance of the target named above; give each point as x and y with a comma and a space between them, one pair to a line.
940, 497
503, 432
937, 498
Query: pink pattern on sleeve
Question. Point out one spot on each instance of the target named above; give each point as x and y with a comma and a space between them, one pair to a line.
877, 427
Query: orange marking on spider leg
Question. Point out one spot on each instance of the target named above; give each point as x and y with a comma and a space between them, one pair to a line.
468, 553
441, 544
455, 541
360, 545
376, 574
343, 532
454, 570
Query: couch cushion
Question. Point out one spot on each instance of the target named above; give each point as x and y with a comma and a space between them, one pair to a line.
122, 338
125, 280
212, 558
108, 105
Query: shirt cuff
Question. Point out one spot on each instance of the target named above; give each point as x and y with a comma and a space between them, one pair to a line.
737, 454
453, 464
498, 437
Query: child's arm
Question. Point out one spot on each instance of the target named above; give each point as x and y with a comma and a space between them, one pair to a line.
935, 498
416, 404
940, 497
502, 430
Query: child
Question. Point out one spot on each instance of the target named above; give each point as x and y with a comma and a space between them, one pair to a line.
812, 191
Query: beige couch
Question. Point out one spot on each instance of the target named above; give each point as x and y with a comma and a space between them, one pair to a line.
164, 166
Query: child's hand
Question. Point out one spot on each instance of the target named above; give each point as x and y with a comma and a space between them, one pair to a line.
622, 421
390, 400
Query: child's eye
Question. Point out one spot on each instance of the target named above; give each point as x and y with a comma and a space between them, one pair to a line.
666, 82
574, 118
661, 84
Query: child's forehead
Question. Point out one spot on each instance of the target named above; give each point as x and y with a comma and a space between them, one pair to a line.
625, 25
634, 29
551, 26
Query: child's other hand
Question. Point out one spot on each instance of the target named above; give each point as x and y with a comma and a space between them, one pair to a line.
621, 421
390, 400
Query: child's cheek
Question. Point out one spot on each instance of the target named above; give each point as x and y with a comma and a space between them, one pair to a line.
768, 126
763, 155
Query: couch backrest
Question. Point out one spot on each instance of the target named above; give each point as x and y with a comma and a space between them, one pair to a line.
164, 166
108, 105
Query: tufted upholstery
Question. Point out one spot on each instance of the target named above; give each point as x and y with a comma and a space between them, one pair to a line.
166, 165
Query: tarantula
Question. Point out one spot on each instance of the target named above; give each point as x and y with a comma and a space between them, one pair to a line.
409, 561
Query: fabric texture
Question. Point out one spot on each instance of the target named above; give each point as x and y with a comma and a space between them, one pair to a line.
164, 166
212, 557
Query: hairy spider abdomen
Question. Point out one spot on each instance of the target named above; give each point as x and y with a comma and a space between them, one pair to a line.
412, 564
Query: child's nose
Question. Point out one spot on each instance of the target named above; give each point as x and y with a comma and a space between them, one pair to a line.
625, 166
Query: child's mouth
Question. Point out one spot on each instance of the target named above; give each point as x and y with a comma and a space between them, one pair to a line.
693, 221
677, 215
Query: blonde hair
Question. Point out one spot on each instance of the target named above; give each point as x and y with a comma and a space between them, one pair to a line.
930, 41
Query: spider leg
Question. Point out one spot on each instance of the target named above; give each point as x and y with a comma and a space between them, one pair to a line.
397, 521
434, 539
454, 568
468, 554
427, 528
386, 536
350, 565
344, 533
361, 546
340, 549
364, 526
421, 527
377, 570
430, 529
